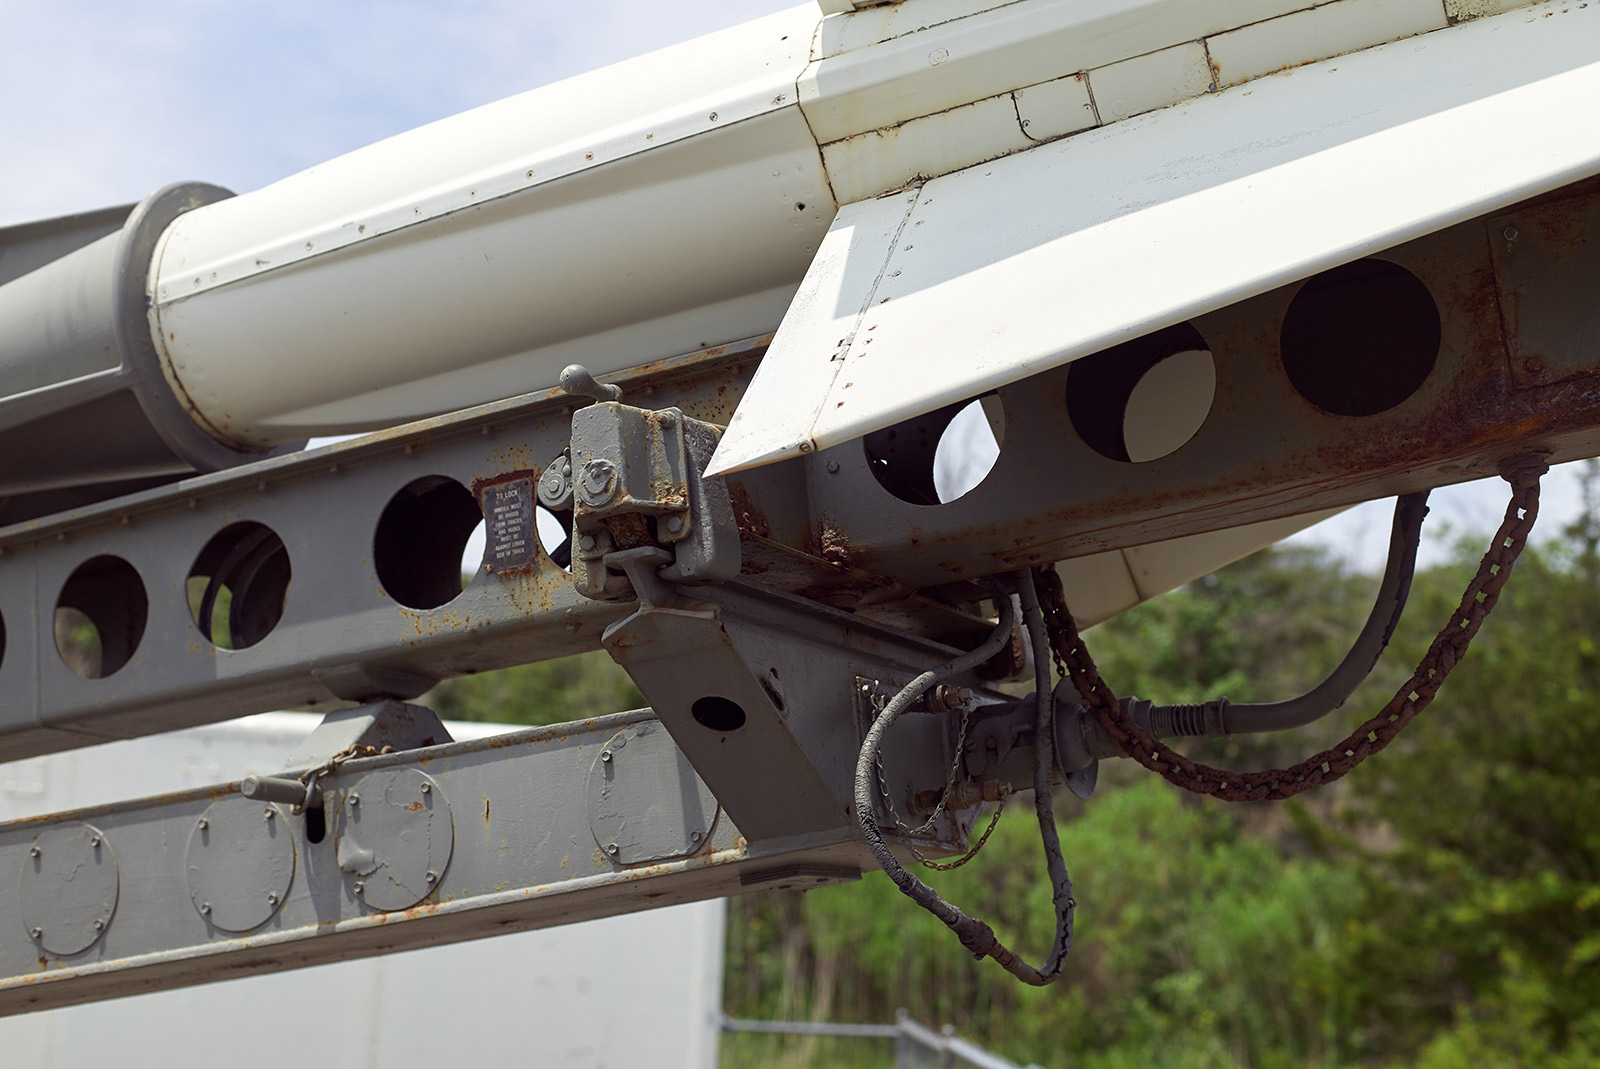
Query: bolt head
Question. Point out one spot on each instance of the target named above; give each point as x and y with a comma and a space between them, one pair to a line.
605, 755
272, 898
612, 848
586, 542
205, 909
426, 789
355, 799
268, 813
833, 467
1510, 233
598, 484
34, 851
202, 823
99, 925
37, 933
360, 888
94, 840
430, 876
674, 524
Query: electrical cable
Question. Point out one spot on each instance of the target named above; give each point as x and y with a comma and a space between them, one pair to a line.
974, 934
1220, 717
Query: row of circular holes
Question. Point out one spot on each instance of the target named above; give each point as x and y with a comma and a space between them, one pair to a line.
1355, 341
239, 582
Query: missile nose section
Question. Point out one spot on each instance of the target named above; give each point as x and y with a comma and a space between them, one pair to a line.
86, 411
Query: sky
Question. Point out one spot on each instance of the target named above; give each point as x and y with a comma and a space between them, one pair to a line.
107, 101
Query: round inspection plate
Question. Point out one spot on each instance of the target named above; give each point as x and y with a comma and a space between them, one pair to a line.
240, 863
395, 837
645, 801
69, 887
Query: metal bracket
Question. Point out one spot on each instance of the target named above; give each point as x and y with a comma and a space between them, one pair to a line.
636, 483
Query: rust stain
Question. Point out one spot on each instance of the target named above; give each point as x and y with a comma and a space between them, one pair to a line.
830, 544
752, 521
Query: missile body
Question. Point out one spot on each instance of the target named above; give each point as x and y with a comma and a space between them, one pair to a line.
679, 200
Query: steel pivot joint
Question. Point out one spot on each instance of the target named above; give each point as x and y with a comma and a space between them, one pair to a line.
636, 483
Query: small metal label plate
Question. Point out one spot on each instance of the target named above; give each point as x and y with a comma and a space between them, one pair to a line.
512, 536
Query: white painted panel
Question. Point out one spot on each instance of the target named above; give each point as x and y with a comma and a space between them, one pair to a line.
1025, 263
1101, 585
1054, 109
868, 164
797, 373
1013, 45
661, 253
1151, 81
643, 989
1329, 30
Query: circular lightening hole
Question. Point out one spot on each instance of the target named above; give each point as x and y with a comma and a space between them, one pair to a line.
555, 534
1361, 338
718, 714
1168, 404
100, 616
940, 456
420, 539
1143, 399
238, 585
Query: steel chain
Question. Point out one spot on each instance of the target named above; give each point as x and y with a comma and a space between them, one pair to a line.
1073, 661
878, 701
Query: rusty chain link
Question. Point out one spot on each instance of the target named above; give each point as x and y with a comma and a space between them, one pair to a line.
1073, 661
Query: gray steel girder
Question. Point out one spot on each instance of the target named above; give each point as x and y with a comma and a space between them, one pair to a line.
1516, 368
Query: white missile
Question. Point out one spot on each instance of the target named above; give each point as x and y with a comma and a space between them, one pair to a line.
976, 190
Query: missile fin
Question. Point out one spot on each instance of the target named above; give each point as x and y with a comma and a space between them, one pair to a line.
1010, 267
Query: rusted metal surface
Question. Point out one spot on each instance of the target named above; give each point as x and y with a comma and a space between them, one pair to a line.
1263, 452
